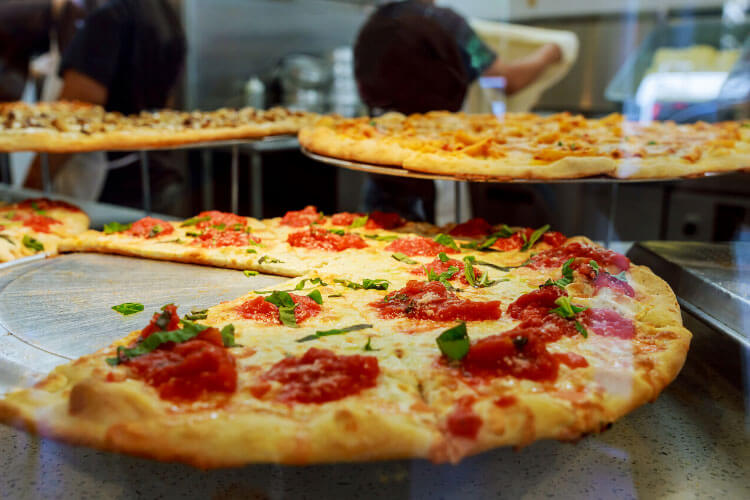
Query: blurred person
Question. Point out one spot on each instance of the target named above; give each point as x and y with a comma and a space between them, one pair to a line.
414, 57
127, 57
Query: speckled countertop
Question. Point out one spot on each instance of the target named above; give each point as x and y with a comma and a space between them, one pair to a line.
693, 442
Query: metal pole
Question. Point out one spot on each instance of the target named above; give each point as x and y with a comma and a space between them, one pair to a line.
235, 179
46, 179
256, 180
5, 168
457, 201
613, 188
145, 182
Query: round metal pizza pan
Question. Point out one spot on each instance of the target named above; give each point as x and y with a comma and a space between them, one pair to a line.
261, 142
400, 172
58, 309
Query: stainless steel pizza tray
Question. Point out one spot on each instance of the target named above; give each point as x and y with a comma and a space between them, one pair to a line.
371, 168
54, 310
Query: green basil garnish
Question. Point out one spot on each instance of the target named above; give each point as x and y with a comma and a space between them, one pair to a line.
195, 220
340, 232
443, 277
454, 342
368, 346
32, 243
594, 265
197, 314
566, 309
7, 238
269, 260
155, 231
248, 273
535, 237
316, 296
335, 331
382, 237
403, 258
251, 250
128, 308
313, 281
367, 284
286, 306
621, 276
446, 241
116, 227
359, 222
581, 329
567, 278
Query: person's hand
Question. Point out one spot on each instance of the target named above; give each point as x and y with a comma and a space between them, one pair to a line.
551, 53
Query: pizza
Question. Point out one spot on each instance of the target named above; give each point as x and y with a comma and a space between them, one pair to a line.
529, 146
392, 340
66, 127
37, 225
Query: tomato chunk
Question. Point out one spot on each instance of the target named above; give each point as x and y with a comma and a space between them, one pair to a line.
302, 218
431, 300
216, 218
472, 228
417, 245
214, 238
439, 267
556, 257
324, 240
150, 227
462, 421
320, 375
40, 223
261, 310
384, 220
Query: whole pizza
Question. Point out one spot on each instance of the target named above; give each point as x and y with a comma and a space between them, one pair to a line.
392, 339
529, 146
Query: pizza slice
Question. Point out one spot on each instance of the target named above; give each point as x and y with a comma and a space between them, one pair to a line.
37, 225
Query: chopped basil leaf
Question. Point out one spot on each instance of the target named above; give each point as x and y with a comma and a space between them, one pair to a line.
248, 273
251, 250
128, 308
559, 143
567, 278
581, 329
313, 281
195, 220
340, 232
219, 227
368, 346
7, 238
197, 314
176, 240
442, 277
155, 230
535, 237
443, 257
651, 143
454, 342
335, 295
403, 258
359, 222
194, 234
239, 227
446, 241
367, 284
335, 331
566, 309
36, 209
32, 243
484, 279
116, 227
286, 306
269, 260
227, 336
316, 296
594, 265
382, 237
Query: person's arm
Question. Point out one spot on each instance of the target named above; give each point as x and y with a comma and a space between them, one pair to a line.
76, 87
521, 72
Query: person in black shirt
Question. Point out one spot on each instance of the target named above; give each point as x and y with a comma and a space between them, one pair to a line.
414, 57
126, 57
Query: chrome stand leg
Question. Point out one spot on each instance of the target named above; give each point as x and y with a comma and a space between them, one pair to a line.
614, 187
145, 182
256, 181
457, 201
235, 179
46, 179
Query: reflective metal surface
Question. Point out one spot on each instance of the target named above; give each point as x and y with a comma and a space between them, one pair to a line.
400, 172
59, 309
711, 280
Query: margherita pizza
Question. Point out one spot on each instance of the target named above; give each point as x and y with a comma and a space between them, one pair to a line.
37, 225
388, 344
64, 127
528, 146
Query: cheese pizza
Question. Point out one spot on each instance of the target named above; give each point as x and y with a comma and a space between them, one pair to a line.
393, 340
528, 146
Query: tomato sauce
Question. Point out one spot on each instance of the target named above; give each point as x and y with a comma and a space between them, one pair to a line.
213, 238
431, 300
39, 223
187, 370
462, 421
344, 218
229, 220
261, 310
324, 240
384, 220
533, 309
172, 324
320, 375
417, 245
46, 204
518, 239
472, 228
608, 323
144, 228
439, 267
302, 218
556, 257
